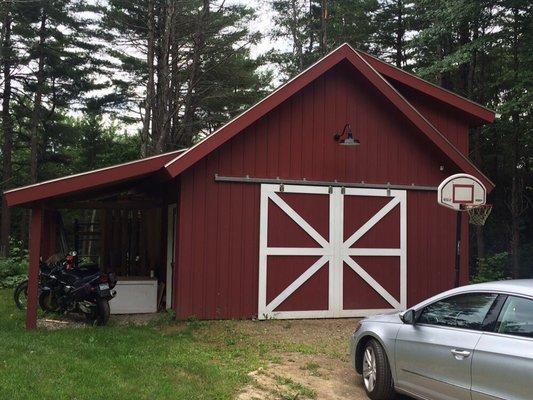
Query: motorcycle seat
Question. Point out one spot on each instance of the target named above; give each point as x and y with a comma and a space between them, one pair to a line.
78, 278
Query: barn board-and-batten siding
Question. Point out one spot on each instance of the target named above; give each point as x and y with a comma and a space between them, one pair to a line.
447, 120
217, 273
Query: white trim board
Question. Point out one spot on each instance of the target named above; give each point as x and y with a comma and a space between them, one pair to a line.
334, 252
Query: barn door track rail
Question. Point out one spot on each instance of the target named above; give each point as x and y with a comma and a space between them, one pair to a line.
363, 185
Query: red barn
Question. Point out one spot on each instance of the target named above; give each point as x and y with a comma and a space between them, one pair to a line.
276, 216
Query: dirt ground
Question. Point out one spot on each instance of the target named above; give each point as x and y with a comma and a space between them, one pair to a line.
304, 376
318, 368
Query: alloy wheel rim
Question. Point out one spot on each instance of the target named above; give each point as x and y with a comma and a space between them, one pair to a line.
369, 369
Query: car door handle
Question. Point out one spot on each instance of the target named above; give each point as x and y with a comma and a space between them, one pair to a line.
460, 354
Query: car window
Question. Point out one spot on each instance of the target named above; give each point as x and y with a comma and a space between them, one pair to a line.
466, 311
516, 317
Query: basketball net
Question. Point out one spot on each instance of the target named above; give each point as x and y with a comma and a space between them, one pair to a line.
478, 214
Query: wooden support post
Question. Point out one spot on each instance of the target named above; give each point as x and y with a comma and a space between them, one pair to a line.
33, 273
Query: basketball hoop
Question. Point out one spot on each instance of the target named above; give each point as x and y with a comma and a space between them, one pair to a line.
464, 193
478, 214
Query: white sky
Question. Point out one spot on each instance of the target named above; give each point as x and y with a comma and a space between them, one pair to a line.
262, 24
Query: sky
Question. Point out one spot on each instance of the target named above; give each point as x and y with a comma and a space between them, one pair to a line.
262, 23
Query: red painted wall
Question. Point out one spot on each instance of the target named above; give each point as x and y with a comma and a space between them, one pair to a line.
217, 254
446, 119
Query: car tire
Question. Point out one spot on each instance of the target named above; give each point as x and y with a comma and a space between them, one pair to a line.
377, 377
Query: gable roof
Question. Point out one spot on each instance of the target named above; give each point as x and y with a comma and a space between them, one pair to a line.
360, 62
88, 180
479, 113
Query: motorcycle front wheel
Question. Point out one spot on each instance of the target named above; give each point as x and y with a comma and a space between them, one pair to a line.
47, 301
21, 295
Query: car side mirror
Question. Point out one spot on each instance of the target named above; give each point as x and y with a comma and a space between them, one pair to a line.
408, 317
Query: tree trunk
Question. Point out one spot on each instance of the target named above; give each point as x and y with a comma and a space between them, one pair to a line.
145, 135
324, 28
37, 103
400, 32
297, 43
175, 84
159, 11
517, 185
7, 130
164, 95
478, 96
185, 138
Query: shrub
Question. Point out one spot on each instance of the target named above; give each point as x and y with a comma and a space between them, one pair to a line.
491, 268
14, 269
12, 281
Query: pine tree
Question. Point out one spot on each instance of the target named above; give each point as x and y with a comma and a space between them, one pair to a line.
515, 84
190, 60
7, 124
60, 48
315, 27
393, 21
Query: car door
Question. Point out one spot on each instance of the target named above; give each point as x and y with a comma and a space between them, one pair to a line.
502, 365
433, 356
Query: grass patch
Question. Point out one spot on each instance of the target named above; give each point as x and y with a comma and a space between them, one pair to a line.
313, 368
296, 390
163, 360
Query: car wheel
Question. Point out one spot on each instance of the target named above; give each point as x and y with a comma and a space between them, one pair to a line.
377, 377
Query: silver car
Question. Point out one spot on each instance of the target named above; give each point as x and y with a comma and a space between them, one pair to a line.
469, 343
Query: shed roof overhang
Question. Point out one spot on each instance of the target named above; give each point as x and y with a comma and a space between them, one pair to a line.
94, 182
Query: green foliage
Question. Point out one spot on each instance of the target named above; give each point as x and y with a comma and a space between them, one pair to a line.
14, 269
491, 268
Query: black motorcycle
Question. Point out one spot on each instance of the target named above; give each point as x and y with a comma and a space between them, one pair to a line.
84, 290
21, 291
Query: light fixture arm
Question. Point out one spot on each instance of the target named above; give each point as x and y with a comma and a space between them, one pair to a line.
347, 133
347, 127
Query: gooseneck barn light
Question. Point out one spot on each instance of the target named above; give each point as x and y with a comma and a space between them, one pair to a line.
349, 140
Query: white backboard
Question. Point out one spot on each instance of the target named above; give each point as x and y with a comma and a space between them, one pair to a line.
461, 190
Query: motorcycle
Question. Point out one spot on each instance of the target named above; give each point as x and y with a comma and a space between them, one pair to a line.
84, 290
21, 291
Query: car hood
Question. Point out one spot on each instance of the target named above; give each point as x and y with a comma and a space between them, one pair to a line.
392, 317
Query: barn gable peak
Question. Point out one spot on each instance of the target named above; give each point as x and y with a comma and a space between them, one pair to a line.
368, 67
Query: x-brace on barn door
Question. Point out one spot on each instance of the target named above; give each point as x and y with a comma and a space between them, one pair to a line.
333, 252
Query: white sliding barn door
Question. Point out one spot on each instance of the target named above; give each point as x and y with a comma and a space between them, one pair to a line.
321, 256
